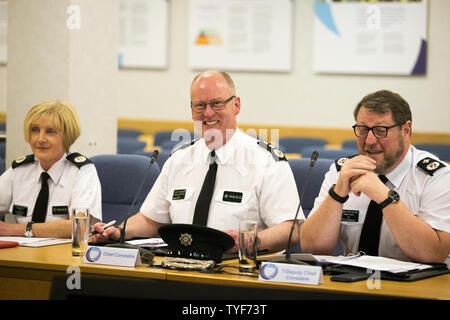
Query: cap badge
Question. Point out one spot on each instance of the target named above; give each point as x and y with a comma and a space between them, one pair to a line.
185, 239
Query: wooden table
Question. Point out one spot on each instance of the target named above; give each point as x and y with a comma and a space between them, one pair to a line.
29, 273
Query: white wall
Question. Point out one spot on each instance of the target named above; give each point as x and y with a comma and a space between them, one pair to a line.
299, 98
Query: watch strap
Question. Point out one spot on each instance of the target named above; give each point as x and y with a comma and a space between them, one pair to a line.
335, 196
392, 197
28, 229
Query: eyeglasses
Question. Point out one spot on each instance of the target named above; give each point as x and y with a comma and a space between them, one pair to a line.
378, 131
216, 105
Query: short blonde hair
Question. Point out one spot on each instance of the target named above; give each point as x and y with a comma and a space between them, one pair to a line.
63, 116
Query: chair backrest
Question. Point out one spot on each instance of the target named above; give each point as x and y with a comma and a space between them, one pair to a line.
130, 146
332, 154
296, 144
300, 169
441, 150
2, 166
120, 177
349, 144
168, 139
2, 149
128, 133
163, 155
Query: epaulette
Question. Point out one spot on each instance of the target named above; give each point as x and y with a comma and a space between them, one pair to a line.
184, 146
430, 165
78, 159
22, 160
340, 162
277, 154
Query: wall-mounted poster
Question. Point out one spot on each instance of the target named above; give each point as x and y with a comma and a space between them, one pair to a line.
370, 37
240, 34
143, 33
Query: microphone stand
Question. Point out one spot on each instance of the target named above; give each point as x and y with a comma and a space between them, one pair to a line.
288, 259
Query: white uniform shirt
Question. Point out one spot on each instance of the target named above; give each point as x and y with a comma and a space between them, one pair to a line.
250, 184
427, 196
69, 186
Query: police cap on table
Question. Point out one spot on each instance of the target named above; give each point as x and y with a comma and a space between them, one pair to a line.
195, 242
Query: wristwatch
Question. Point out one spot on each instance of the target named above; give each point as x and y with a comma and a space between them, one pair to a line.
393, 197
335, 196
28, 232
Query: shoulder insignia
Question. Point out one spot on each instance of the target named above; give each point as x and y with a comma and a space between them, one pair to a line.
78, 159
340, 162
184, 146
277, 154
22, 160
430, 165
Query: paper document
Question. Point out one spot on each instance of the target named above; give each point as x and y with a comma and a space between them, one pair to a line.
148, 243
375, 263
36, 242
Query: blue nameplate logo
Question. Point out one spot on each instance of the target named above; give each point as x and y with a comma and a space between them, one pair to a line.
112, 256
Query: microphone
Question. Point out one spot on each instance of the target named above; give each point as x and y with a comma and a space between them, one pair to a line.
121, 243
288, 259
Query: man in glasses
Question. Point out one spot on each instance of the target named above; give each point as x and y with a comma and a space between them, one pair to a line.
244, 178
391, 200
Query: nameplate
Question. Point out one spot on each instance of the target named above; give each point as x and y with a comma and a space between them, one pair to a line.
290, 273
112, 256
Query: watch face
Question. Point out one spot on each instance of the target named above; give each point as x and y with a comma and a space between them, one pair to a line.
394, 195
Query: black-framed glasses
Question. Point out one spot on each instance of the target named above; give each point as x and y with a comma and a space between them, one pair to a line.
378, 131
216, 104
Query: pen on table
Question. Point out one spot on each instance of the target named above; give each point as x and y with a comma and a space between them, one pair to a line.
109, 224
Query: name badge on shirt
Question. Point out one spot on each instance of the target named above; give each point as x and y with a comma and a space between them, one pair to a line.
232, 196
19, 210
179, 194
60, 210
350, 215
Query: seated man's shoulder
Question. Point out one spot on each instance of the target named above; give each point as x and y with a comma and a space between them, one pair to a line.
276, 153
184, 146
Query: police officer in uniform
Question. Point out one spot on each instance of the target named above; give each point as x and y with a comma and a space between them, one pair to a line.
409, 188
253, 179
39, 189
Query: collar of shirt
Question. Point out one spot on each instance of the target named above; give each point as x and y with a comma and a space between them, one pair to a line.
399, 173
56, 170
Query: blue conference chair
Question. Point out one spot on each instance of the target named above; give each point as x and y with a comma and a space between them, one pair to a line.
328, 153
2, 165
2, 149
162, 157
300, 169
120, 177
440, 150
350, 144
296, 144
128, 133
169, 139
130, 146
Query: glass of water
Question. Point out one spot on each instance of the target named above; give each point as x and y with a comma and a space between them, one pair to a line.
248, 233
80, 230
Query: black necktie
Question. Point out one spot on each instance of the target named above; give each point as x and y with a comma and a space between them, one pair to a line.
370, 233
204, 199
40, 208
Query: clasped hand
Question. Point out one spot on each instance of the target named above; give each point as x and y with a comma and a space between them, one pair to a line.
357, 175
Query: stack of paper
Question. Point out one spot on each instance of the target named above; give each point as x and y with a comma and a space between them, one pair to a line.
374, 263
35, 242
